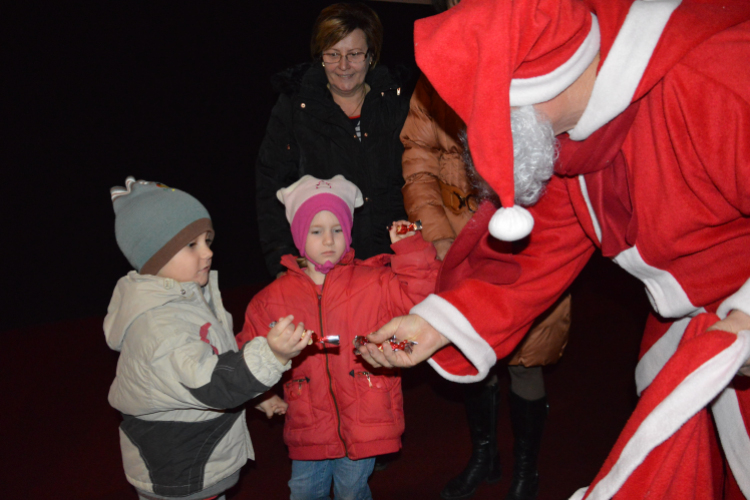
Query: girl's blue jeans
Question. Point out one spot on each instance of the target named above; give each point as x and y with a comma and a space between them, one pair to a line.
311, 479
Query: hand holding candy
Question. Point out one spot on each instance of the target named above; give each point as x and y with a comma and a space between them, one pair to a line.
285, 340
407, 228
411, 327
313, 337
396, 345
404, 227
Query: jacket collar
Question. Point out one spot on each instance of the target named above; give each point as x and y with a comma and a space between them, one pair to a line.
290, 261
137, 293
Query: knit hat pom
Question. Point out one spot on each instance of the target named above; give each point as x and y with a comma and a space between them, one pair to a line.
511, 224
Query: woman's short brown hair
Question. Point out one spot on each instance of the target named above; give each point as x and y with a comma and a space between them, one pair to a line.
337, 21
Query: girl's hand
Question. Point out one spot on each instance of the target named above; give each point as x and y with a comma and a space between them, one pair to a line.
394, 227
273, 406
285, 340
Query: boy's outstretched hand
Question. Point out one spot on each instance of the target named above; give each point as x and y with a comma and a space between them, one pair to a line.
285, 340
273, 406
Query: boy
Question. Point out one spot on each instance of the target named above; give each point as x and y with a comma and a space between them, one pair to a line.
179, 370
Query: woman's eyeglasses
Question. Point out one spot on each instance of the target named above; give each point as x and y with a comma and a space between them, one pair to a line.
352, 57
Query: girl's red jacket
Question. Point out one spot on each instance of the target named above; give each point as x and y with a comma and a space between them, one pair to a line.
338, 405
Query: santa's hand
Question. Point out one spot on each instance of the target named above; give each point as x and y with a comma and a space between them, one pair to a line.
735, 322
411, 327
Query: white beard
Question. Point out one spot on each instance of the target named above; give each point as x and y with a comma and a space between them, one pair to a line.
534, 155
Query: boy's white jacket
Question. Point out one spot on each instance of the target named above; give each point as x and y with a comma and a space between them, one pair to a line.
179, 368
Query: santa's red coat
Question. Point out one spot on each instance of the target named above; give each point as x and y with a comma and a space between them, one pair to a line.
658, 177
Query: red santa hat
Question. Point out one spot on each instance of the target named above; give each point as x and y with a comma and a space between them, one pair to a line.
484, 56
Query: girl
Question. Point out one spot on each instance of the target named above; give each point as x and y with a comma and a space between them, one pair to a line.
341, 413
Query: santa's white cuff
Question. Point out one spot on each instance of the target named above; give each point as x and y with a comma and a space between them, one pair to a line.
449, 321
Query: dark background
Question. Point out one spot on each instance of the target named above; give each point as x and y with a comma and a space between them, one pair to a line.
173, 92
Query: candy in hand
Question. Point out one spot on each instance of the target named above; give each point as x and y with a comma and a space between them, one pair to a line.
326, 339
396, 345
314, 337
406, 228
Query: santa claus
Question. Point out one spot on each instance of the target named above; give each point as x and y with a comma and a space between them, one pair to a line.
648, 103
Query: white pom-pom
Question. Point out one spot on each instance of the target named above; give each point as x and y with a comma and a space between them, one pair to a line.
511, 224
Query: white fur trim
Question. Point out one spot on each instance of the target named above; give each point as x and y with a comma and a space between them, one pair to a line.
740, 300
579, 494
525, 91
657, 356
449, 321
511, 224
592, 214
626, 62
692, 394
664, 291
734, 437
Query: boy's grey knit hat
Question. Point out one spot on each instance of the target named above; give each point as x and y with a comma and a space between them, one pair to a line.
153, 222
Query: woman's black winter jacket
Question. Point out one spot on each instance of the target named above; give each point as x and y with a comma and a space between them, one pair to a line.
308, 133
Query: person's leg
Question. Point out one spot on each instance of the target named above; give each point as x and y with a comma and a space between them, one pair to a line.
311, 479
528, 411
350, 478
481, 401
220, 497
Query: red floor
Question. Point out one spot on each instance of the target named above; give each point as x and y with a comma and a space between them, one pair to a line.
60, 435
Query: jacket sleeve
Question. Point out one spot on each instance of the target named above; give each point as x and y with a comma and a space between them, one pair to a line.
722, 179
421, 166
257, 321
188, 373
412, 274
485, 321
277, 166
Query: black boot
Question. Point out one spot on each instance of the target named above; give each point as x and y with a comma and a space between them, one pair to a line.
484, 464
527, 421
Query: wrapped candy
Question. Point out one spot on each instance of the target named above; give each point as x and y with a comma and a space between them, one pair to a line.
396, 345
314, 338
406, 228
326, 339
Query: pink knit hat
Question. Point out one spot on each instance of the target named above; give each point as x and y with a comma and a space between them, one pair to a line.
484, 56
308, 196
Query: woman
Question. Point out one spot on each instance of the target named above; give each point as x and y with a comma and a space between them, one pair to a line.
340, 114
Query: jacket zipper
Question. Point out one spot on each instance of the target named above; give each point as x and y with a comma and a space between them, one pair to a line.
330, 379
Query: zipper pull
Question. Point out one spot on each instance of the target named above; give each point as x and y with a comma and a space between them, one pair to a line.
366, 374
299, 387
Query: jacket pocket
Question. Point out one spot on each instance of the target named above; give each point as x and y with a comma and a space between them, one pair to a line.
299, 415
375, 403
